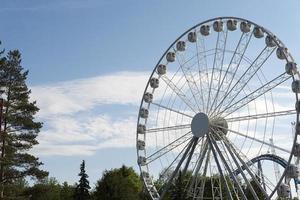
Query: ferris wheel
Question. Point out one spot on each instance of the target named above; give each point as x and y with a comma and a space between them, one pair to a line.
216, 98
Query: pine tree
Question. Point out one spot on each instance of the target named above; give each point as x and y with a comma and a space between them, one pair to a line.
19, 129
82, 189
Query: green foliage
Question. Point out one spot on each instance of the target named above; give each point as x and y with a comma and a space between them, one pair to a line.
47, 189
67, 192
20, 130
118, 184
178, 191
82, 189
16, 189
50, 189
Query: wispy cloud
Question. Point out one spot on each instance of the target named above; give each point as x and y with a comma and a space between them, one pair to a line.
85, 136
70, 112
84, 94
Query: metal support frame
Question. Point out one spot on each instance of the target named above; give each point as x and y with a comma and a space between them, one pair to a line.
219, 167
232, 175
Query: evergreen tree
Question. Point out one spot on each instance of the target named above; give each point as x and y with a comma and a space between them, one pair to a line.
82, 189
19, 129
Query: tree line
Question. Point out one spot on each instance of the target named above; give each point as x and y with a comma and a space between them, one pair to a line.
116, 184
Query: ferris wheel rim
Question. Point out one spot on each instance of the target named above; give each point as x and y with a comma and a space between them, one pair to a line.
288, 58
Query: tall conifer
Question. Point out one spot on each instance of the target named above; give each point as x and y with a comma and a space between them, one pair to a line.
82, 189
18, 130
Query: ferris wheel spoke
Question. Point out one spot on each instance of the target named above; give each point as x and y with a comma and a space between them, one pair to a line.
237, 164
235, 60
191, 153
169, 147
225, 162
167, 185
202, 140
254, 139
213, 69
234, 106
163, 174
247, 75
179, 92
219, 166
261, 115
219, 61
189, 77
170, 109
202, 55
201, 61
236, 193
235, 158
203, 180
231, 148
198, 165
169, 128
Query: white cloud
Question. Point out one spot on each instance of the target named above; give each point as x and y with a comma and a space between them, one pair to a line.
89, 135
83, 94
69, 112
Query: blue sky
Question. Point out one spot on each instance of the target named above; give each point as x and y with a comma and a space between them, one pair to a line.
89, 62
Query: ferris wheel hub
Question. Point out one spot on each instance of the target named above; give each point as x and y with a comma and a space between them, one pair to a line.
200, 125
219, 127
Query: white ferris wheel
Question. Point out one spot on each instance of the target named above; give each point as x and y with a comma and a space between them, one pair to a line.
220, 102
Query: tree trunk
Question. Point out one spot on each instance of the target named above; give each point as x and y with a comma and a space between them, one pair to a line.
2, 152
2, 134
